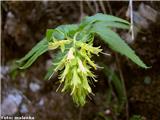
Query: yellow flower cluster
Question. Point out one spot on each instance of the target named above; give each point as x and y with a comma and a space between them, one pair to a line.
76, 66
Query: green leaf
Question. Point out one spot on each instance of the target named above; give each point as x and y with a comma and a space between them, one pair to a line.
58, 35
54, 34
61, 32
113, 25
33, 54
49, 34
99, 17
34, 57
85, 36
42, 43
68, 30
117, 44
115, 80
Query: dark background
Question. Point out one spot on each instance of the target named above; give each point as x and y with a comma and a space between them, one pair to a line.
24, 24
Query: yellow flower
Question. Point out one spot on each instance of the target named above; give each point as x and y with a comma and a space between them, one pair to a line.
56, 44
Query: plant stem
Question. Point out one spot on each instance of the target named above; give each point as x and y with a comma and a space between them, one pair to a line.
80, 114
123, 84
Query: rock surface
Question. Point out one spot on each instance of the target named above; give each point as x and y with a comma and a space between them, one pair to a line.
11, 103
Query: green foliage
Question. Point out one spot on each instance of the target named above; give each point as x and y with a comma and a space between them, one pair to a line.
116, 83
117, 44
137, 117
76, 44
32, 55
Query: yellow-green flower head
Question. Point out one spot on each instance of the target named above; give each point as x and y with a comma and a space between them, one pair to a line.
75, 67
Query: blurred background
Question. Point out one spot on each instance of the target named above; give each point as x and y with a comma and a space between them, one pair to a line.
27, 93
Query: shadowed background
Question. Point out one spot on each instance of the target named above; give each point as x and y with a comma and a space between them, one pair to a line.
26, 93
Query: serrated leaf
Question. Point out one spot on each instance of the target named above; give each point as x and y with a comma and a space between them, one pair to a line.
99, 17
117, 44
